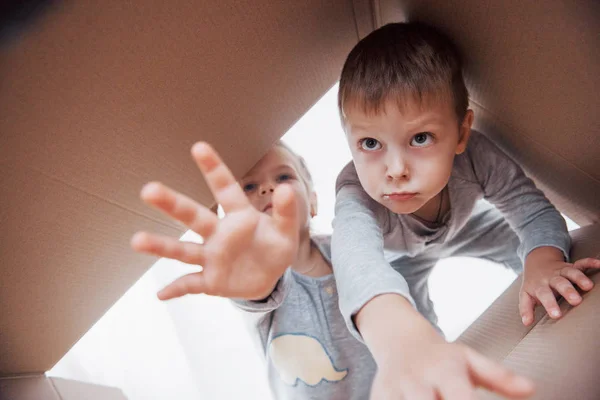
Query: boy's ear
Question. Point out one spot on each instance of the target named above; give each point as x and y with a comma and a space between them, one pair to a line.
313, 205
464, 132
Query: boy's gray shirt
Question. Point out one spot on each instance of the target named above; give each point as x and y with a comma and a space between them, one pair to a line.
310, 353
367, 235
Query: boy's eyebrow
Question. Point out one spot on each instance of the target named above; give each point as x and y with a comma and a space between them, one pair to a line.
426, 119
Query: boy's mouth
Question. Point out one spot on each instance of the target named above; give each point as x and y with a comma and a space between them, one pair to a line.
268, 207
399, 196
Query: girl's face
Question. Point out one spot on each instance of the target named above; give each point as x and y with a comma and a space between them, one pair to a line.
276, 167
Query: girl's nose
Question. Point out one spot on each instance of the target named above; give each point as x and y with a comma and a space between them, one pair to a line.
265, 189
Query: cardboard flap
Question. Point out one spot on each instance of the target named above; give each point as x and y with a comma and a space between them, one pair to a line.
544, 350
97, 99
43, 388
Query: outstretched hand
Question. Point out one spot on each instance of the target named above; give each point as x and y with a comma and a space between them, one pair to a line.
243, 255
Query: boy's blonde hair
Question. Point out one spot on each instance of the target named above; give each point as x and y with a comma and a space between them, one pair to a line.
402, 62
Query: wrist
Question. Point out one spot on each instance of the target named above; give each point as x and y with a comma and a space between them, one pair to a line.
545, 254
392, 328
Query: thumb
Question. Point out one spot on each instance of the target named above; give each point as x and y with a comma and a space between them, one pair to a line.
285, 210
490, 375
193, 283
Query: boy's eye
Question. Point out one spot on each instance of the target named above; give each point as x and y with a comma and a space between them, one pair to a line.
284, 178
370, 144
249, 187
421, 139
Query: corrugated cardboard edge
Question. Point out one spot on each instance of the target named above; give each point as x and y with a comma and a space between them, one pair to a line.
40, 387
545, 350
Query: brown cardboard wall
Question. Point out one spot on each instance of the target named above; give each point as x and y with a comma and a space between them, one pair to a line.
562, 356
100, 97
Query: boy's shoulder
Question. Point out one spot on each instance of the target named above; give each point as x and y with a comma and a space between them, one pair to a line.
479, 141
481, 153
347, 176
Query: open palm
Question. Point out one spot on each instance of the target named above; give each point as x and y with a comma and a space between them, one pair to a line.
243, 255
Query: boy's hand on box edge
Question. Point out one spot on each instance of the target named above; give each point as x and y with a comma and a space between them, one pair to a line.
547, 275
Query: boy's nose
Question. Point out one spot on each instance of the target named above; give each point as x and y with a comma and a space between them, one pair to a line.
397, 169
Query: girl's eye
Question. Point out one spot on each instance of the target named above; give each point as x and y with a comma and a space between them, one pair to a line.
249, 187
370, 144
421, 139
284, 178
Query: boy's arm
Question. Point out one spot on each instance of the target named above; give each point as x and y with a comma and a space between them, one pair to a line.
361, 271
414, 361
531, 215
545, 241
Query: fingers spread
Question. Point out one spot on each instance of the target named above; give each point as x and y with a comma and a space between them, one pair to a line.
219, 178
163, 246
180, 207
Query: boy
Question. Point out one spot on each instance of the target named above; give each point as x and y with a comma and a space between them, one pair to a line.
263, 255
409, 198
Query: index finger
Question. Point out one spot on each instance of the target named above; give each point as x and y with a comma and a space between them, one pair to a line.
497, 378
219, 178
587, 263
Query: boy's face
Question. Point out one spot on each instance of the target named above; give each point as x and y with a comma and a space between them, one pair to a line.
275, 168
404, 156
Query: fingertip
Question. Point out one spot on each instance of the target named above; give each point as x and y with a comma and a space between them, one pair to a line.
284, 197
150, 190
137, 240
523, 385
555, 314
201, 149
162, 296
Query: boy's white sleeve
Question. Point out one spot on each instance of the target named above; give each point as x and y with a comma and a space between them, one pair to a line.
531, 215
361, 270
273, 301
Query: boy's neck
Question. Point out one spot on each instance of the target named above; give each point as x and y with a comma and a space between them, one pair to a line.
434, 209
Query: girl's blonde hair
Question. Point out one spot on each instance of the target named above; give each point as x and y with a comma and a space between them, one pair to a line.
300, 165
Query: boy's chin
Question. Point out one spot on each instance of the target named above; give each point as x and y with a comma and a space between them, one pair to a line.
402, 207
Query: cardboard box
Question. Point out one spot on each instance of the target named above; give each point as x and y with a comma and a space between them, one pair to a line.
43, 388
97, 98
